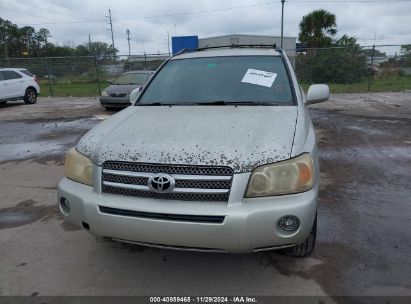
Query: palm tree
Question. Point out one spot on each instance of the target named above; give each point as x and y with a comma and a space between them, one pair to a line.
317, 29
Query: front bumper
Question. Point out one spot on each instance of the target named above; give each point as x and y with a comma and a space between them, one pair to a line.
108, 101
249, 225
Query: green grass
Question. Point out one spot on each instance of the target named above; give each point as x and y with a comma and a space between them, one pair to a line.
72, 89
383, 84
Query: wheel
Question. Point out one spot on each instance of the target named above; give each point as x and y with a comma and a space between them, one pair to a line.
3, 102
306, 248
31, 96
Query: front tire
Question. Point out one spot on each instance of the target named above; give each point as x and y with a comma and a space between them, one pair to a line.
306, 248
30, 97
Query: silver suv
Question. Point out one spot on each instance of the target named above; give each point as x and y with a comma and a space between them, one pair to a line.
216, 154
18, 84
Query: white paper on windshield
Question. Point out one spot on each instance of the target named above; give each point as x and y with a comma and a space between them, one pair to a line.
261, 78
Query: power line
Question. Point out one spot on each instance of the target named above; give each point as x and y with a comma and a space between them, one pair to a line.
30, 5
25, 13
217, 10
60, 23
72, 8
264, 4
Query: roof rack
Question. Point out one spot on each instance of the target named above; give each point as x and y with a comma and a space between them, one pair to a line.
233, 46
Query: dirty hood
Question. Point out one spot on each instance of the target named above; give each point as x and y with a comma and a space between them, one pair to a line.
240, 137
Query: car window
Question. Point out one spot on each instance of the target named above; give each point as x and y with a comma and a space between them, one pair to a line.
8, 75
236, 79
1, 76
132, 78
27, 72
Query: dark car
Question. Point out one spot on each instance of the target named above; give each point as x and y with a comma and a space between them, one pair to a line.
117, 94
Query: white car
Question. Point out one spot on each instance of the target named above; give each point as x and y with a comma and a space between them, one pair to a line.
18, 84
217, 154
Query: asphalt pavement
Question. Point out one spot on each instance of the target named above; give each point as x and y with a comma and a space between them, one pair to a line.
364, 225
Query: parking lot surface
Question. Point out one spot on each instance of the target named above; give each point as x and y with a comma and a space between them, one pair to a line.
364, 238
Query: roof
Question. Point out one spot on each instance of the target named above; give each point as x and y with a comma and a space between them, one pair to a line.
227, 51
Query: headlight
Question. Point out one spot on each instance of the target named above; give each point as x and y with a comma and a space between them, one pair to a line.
78, 167
104, 93
134, 94
286, 177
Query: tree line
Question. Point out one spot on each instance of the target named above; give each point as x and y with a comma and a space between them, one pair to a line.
25, 41
327, 59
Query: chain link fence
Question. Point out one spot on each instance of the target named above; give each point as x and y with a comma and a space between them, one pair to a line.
355, 68
82, 75
345, 69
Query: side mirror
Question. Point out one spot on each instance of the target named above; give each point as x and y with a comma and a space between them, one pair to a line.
134, 94
318, 93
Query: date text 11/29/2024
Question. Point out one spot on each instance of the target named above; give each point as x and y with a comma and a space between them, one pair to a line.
236, 299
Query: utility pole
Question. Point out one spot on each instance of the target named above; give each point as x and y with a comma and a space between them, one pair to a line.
129, 50
6, 49
282, 22
89, 44
46, 43
168, 43
371, 68
128, 40
111, 29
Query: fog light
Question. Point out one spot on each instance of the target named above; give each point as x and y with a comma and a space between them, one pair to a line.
289, 223
65, 205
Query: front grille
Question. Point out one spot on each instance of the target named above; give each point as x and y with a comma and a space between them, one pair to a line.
164, 216
169, 169
192, 183
118, 94
125, 179
203, 184
166, 196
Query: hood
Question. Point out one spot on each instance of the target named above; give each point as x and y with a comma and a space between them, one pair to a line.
240, 137
122, 88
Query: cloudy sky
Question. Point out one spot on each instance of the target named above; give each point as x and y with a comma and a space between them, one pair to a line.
71, 21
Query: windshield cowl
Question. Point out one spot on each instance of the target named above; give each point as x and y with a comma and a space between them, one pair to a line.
216, 103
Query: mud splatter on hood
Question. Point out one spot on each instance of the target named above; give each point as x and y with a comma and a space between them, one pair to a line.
240, 137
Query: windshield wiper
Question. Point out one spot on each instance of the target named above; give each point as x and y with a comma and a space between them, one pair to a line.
154, 104
211, 103
235, 103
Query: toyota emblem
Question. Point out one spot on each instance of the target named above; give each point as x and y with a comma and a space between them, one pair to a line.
161, 183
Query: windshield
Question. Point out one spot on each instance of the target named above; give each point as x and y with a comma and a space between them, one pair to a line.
27, 73
132, 78
221, 80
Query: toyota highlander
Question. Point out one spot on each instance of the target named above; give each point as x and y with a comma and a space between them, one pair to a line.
217, 153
